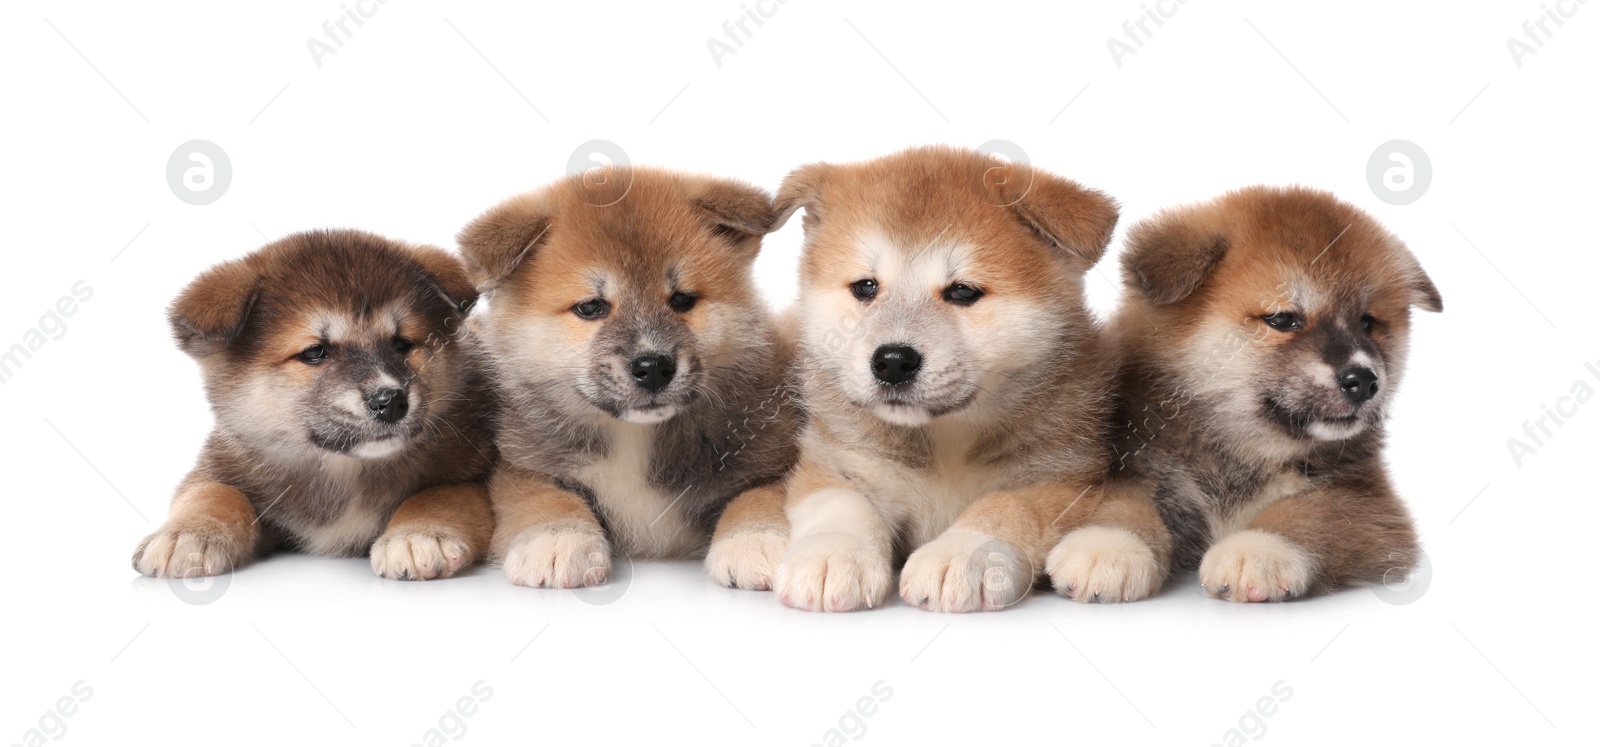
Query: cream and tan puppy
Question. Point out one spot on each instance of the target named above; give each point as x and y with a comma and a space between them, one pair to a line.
1264, 336
643, 381
952, 377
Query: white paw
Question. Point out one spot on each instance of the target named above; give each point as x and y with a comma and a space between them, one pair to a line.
833, 572
1104, 564
559, 558
418, 554
746, 560
189, 551
1256, 566
965, 571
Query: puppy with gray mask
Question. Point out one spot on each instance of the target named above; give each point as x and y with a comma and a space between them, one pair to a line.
1264, 336
954, 384
351, 414
644, 383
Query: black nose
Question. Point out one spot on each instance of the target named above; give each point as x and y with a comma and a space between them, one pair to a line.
388, 405
895, 364
1358, 383
653, 372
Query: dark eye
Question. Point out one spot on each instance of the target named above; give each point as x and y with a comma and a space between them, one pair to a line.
1284, 321
403, 346
593, 308
962, 294
1366, 322
681, 302
314, 354
864, 290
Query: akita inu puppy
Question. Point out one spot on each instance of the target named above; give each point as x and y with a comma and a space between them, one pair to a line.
954, 384
351, 415
643, 380
1264, 336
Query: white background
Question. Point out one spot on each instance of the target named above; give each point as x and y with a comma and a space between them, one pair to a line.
432, 112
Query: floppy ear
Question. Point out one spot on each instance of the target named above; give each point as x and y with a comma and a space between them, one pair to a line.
802, 188
447, 273
1425, 295
213, 308
1067, 215
736, 209
495, 243
1170, 255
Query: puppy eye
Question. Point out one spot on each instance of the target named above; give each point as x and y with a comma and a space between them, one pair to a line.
314, 354
962, 294
593, 308
865, 289
1366, 322
682, 302
1284, 321
403, 346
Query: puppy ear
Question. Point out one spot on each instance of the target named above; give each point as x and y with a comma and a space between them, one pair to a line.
735, 208
495, 243
446, 272
802, 188
1425, 295
1169, 256
213, 308
1067, 214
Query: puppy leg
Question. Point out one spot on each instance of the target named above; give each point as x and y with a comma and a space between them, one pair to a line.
435, 533
750, 540
1122, 553
1313, 543
840, 550
544, 536
988, 558
210, 529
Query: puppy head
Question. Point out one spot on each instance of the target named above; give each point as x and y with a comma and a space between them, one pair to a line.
1287, 307
623, 306
327, 342
935, 275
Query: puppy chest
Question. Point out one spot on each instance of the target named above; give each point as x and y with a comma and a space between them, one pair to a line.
645, 521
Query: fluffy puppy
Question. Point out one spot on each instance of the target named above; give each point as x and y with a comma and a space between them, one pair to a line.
350, 413
643, 379
953, 380
1264, 336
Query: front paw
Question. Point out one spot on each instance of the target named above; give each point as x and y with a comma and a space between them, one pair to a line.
1256, 566
192, 550
559, 558
834, 573
965, 571
420, 554
1104, 564
746, 560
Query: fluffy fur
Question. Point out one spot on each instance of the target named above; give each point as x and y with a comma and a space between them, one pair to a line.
975, 466
294, 342
599, 283
1243, 421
